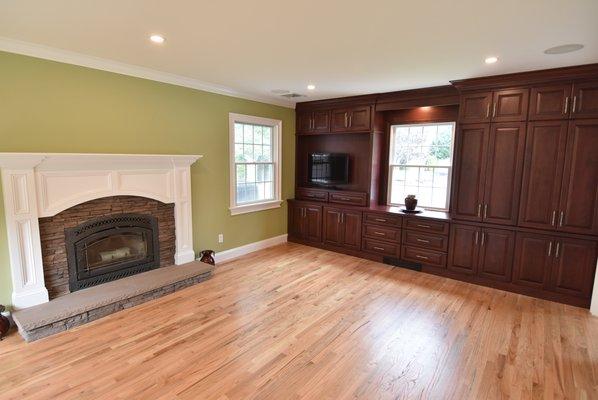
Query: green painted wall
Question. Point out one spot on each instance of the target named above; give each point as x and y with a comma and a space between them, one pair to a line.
47, 106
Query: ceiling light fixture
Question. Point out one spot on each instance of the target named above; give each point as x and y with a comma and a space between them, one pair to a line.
157, 39
311, 87
491, 60
565, 48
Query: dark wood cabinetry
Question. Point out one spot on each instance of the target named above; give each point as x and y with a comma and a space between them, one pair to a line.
585, 100
498, 106
305, 221
488, 172
342, 227
352, 119
475, 107
560, 265
481, 251
313, 122
560, 179
550, 102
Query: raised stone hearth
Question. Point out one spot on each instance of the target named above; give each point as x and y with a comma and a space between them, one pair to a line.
87, 305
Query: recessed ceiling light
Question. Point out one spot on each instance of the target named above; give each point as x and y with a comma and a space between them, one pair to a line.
157, 39
491, 60
565, 48
311, 87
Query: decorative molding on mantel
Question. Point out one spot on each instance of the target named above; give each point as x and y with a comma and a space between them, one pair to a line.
39, 185
103, 64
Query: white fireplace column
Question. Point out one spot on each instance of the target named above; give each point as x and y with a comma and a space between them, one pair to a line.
42, 185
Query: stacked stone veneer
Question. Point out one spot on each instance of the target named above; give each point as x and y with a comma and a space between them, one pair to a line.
52, 234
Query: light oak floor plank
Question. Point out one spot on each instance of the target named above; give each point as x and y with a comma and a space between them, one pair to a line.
295, 322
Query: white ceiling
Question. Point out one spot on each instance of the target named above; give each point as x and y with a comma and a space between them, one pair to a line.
344, 47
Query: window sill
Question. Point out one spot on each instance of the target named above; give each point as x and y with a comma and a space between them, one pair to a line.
247, 208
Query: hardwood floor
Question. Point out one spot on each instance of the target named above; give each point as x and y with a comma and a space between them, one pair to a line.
296, 322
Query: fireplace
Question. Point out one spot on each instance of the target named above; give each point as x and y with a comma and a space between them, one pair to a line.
111, 247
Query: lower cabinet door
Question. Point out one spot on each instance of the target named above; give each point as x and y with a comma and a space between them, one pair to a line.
533, 259
351, 221
496, 254
296, 221
464, 248
573, 267
313, 223
332, 226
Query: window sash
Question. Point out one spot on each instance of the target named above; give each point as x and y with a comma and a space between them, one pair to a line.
448, 168
272, 180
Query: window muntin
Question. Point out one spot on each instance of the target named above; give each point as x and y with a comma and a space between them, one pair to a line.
420, 163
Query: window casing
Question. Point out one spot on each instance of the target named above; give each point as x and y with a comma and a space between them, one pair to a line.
420, 163
255, 167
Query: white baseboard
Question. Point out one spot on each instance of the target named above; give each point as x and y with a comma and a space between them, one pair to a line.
249, 248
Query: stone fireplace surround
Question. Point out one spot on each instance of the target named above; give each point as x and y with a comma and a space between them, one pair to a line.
42, 185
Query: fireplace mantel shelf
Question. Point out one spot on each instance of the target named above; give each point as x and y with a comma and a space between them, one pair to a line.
37, 185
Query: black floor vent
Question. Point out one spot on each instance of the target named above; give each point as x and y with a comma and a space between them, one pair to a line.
403, 264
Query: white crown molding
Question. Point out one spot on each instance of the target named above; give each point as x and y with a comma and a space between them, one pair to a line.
70, 57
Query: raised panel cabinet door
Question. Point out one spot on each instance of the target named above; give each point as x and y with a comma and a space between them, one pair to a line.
585, 97
464, 248
352, 229
332, 226
304, 122
533, 259
550, 102
475, 107
573, 267
496, 254
313, 223
321, 121
510, 105
542, 174
468, 188
360, 119
502, 183
340, 120
296, 221
578, 210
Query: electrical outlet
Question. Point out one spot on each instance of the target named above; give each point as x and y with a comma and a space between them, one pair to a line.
220, 238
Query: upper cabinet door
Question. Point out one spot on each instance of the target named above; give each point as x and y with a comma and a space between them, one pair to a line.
304, 122
585, 100
578, 211
496, 254
542, 174
510, 105
503, 173
360, 119
550, 102
475, 107
321, 121
340, 120
464, 248
468, 188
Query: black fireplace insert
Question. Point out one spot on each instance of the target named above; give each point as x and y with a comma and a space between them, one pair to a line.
110, 248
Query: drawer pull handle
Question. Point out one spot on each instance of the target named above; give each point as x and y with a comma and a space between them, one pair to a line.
423, 241
379, 248
422, 257
380, 219
380, 233
424, 226
344, 198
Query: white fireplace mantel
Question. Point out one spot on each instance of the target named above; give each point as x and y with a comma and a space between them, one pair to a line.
39, 185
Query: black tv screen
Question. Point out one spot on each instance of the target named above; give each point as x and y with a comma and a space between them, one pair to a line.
328, 168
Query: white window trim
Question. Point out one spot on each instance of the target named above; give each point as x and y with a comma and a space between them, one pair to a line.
450, 168
236, 209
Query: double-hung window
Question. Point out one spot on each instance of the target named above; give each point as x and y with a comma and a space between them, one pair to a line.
420, 163
255, 145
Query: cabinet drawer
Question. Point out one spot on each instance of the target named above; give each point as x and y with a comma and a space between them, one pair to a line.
421, 224
379, 232
427, 241
311, 194
423, 256
382, 219
383, 248
356, 199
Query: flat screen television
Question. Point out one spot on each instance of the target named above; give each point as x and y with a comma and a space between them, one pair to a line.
328, 169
